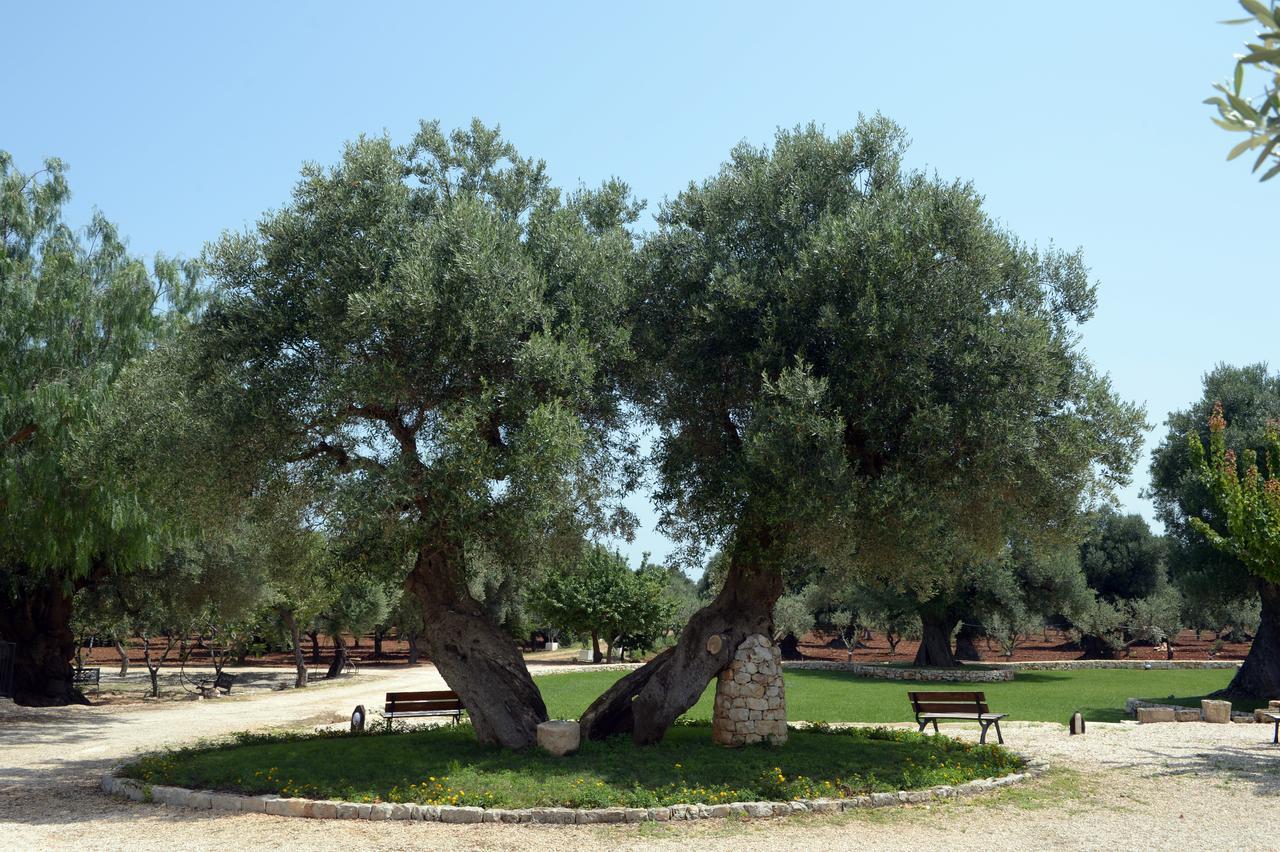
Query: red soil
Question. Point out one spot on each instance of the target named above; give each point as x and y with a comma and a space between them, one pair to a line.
813, 646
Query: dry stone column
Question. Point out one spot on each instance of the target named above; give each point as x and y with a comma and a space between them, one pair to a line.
751, 705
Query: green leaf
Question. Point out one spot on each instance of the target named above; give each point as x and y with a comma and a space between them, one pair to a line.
1272, 172
1239, 80
1251, 142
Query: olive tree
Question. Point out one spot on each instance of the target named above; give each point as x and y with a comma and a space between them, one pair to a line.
434, 331
851, 363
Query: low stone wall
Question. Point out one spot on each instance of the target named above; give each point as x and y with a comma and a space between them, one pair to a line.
1058, 665
324, 809
965, 674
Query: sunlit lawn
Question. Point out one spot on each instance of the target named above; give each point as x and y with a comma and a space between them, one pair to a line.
1047, 696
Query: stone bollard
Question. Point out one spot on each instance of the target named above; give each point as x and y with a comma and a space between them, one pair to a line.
1077, 724
1216, 712
559, 737
750, 705
1147, 715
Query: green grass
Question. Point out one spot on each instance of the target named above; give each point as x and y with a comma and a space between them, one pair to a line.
1043, 696
446, 765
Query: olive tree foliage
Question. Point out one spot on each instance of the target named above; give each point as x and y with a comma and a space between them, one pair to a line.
437, 328
1257, 116
75, 309
851, 363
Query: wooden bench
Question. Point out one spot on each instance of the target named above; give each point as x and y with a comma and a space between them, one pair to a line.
403, 705
1274, 717
929, 707
221, 682
84, 677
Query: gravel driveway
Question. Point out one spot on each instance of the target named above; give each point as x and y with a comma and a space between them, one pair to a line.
1121, 786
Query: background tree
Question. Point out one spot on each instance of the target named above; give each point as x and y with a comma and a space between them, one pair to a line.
436, 328
851, 364
1121, 558
74, 310
1259, 117
1246, 502
1209, 577
601, 597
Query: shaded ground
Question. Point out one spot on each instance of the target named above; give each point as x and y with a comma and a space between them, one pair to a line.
1175, 786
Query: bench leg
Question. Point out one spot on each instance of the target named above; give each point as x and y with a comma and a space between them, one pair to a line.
999, 736
982, 740
935, 727
924, 725
1276, 737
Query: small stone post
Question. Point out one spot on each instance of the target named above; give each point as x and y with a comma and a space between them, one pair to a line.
750, 702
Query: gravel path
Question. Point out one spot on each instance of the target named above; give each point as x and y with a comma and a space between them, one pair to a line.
1121, 786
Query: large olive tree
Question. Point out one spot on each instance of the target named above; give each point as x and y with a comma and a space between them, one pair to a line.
852, 363
431, 331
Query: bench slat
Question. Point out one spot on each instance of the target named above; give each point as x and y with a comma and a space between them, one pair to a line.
413, 706
947, 696
422, 696
947, 707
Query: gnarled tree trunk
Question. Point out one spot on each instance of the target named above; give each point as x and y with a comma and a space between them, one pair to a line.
647, 701
39, 623
339, 657
477, 659
295, 636
935, 640
1259, 675
966, 647
124, 657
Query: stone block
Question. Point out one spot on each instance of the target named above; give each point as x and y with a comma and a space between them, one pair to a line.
636, 814
559, 737
324, 810
225, 802
1186, 715
550, 816
461, 814
1147, 715
199, 800
1216, 712
758, 810
379, 812
348, 810
399, 810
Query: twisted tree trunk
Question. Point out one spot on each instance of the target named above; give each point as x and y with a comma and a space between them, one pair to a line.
935, 640
966, 647
477, 659
295, 636
646, 702
339, 657
124, 657
1259, 675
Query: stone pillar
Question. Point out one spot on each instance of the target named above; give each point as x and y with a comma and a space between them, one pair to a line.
750, 704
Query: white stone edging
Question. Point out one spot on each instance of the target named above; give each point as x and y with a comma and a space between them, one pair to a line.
329, 809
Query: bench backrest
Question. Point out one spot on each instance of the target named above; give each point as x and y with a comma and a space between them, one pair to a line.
85, 675
223, 681
949, 702
439, 701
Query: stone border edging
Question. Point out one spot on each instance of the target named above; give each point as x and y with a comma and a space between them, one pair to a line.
328, 809
965, 675
1051, 665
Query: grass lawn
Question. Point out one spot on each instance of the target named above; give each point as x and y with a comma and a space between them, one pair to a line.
1045, 696
446, 765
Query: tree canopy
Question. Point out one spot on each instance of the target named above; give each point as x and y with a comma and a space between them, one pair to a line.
851, 362
434, 331
75, 309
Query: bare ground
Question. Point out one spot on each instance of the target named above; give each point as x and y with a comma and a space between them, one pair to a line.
1123, 786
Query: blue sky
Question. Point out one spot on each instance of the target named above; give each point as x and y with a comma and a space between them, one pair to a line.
1080, 122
